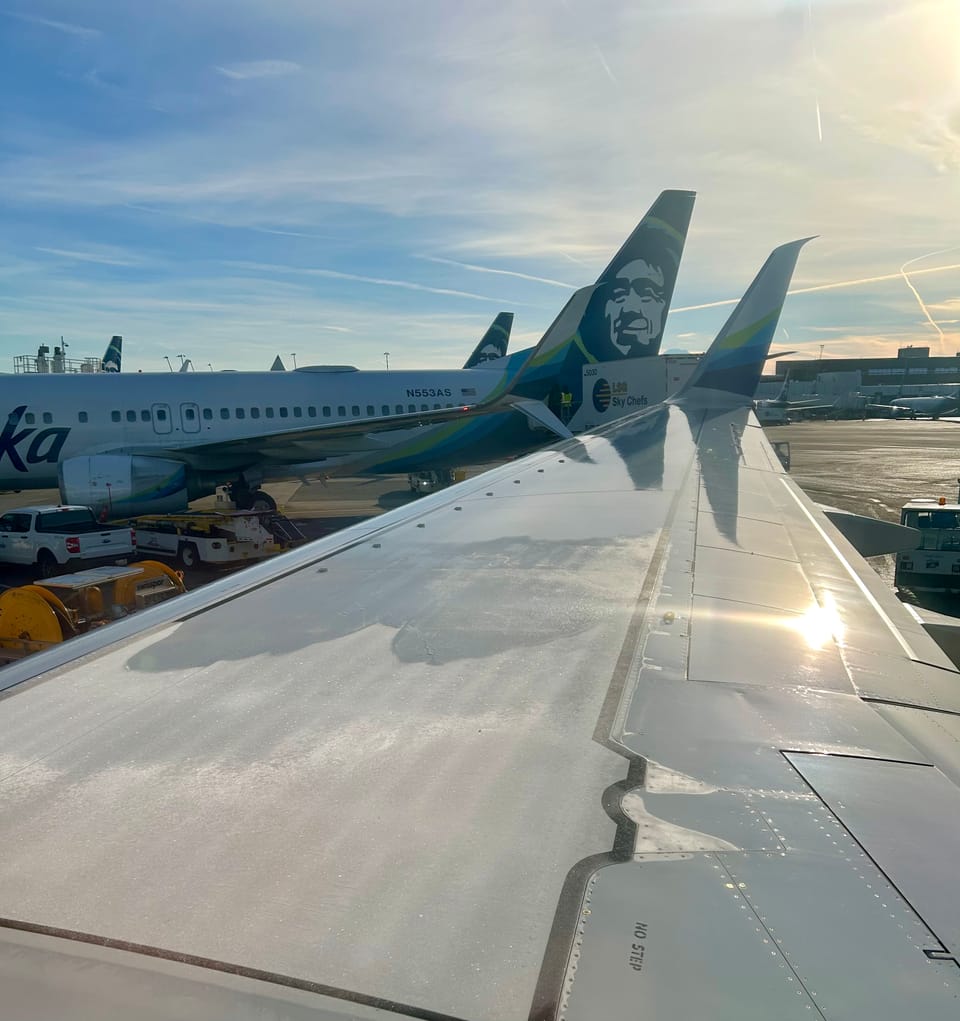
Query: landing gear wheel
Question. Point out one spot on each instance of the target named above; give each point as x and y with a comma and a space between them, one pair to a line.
188, 555
260, 502
47, 565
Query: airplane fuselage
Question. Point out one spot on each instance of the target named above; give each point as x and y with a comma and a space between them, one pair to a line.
49, 419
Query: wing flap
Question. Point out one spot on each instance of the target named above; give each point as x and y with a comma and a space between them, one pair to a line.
904, 816
723, 935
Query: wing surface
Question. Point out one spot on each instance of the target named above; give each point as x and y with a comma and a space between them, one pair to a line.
625, 728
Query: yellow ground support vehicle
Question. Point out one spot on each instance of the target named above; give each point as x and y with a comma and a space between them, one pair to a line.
33, 617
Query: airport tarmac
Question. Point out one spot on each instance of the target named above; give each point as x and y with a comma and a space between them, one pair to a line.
874, 467
870, 467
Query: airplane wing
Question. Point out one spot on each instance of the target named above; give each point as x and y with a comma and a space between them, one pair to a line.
622, 729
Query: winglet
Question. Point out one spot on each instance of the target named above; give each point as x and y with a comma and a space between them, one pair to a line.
734, 361
493, 344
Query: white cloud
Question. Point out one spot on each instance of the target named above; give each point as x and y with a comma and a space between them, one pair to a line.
104, 256
497, 136
259, 69
68, 28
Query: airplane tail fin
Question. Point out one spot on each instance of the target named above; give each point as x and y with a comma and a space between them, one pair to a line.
627, 315
112, 356
493, 344
627, 309
784, 394
735, 359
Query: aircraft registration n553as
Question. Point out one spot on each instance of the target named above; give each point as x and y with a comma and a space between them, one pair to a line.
153, 442
622, 729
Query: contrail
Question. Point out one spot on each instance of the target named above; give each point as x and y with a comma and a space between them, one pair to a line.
500, 272
603, 61
828, 287
923, 307
813, 54
916, 293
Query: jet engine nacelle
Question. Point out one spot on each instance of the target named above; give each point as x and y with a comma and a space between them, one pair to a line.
123, 485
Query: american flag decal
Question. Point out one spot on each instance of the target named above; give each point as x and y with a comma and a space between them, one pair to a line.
468, 391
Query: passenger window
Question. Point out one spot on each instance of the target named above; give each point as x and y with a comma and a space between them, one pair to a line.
189, 414
298, 412
207, 414
254, 412
436, 407
399, 409
370, 411
284, 412
131, 416
312, 411
30, 418
341, 410
161, 415
241, 413
144, 416
326, 411
114, 416
424, 407
385, 410
81, 416
47, 418
269, 412
224, 413
411, 408
355, 409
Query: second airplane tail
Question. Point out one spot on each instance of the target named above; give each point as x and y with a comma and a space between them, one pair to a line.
112, 356
493, 344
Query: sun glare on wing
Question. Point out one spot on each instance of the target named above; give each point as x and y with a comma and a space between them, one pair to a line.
821, 623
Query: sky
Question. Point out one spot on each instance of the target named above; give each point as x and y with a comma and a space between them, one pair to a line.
230, 180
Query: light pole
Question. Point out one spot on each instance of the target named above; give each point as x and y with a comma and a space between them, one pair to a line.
166, 358
293, 355
386, 358
210, 366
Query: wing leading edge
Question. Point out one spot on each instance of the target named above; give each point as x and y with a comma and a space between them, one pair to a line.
624, 726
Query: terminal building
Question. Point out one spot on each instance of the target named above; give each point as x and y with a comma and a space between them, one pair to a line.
913, 366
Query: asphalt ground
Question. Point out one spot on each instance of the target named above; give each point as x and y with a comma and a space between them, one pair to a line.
870, 467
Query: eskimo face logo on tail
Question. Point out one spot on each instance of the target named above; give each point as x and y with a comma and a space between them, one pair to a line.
634, 307
601, 395
45, 446
628, 312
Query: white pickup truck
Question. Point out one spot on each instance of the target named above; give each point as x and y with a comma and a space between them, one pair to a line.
53, 537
